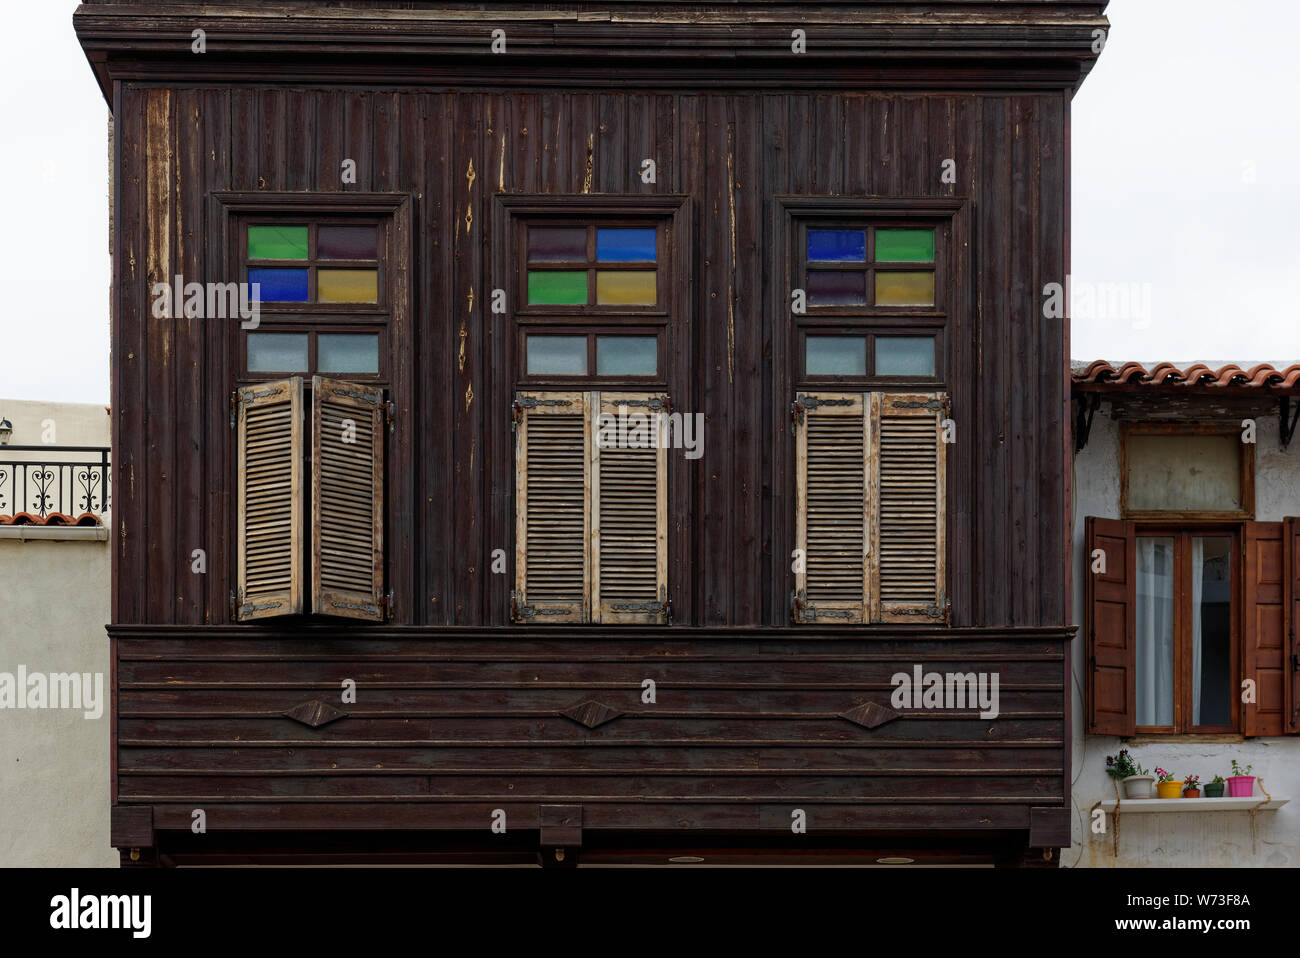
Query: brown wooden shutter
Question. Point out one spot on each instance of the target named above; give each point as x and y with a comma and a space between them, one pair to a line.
1292, 654
833, 472
347, 499
268, 577
552, 507
907, 564
1264, 636
1110, 609
629, 524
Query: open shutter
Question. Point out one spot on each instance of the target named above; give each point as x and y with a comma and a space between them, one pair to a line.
909, 514
552, 507
1110, 609
629, 523
832, 478
1264, 638
347, 499
268, 577
1292, 535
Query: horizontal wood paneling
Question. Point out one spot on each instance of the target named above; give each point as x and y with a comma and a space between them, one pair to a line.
741, 728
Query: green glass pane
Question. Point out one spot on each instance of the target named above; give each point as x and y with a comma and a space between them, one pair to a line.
904, 246
277, 242
557, 288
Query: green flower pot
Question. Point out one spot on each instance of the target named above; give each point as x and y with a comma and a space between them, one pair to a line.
1213, 790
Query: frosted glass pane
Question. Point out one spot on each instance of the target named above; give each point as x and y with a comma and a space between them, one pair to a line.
836, 356
1184, 473
347, 286
1155, 631
557, 355
557, 288
904, 289
277, 242
277, 353
904, 246
1211, 588
626, 288
904, 356
347, 353
627, 355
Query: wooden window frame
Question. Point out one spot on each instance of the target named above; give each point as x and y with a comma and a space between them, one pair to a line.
590, 332
312, 332
871, 223
1246, 471
1182, 533
591, 223
911, 383
313, 262
227, 210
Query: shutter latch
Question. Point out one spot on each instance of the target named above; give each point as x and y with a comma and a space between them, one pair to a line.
390, 413
234, 405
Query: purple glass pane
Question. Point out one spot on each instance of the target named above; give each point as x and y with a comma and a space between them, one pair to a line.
346, 242
836, 288
557, 245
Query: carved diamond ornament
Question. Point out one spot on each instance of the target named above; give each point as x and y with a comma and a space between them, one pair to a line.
315, 713
591, 713
871, 715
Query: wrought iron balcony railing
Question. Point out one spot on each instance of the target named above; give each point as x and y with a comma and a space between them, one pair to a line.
41, 480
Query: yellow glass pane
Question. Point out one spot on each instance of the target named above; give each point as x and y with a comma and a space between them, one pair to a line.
626, 287
347, 286
904, 289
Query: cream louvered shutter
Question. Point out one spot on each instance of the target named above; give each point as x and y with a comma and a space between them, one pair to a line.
268, 576
907, 567
832, 472
347, 499
552, 507
629, 534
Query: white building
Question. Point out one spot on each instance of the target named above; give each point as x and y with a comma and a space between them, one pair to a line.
1186, 653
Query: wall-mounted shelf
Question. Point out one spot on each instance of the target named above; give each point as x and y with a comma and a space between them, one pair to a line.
1143, 806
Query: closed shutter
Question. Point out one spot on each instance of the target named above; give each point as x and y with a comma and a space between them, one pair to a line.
347, 499
268, 577
1110, 609
832, 477
629, 534
552, 507
1292, 664
1264, 660
907, 567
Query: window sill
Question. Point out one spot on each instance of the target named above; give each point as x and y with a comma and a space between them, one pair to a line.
64, 533
1143, 806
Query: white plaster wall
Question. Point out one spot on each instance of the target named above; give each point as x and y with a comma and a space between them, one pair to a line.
75, 424
54, 603
1203, 839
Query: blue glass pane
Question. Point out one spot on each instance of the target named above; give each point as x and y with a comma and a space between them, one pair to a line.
837, 246
625, 246
836, 356
280, 285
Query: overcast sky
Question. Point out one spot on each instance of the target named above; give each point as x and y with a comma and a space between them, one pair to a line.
1186, 192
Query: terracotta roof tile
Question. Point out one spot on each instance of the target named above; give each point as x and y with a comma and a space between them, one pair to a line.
51, 519
1262, 376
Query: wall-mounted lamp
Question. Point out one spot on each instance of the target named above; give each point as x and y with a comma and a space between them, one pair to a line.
6, 430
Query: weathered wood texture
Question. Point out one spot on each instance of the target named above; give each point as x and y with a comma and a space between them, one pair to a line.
449, 725
730, 153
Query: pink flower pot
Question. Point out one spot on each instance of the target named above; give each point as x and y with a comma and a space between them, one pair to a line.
1241, 786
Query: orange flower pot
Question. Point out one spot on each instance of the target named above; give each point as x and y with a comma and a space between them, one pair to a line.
1169, 789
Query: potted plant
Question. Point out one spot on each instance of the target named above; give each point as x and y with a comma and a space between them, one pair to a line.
1214, 787
1134, 778
1241, 784
1191, 786
1166, 785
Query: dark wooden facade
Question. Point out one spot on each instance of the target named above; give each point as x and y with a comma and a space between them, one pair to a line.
459, 710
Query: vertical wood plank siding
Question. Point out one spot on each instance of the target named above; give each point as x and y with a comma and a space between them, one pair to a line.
730, 152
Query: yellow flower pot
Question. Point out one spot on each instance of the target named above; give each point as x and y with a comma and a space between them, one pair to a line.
1169, 789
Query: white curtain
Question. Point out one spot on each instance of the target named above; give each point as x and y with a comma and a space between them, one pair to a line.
1198, 593
1155, 631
